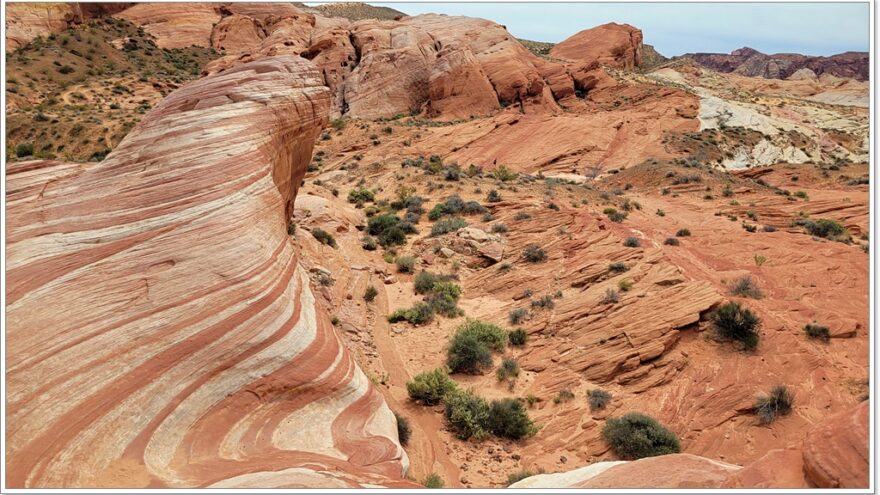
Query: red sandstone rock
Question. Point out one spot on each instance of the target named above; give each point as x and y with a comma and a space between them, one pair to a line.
175, 25
836, 453
184, 347
612, 44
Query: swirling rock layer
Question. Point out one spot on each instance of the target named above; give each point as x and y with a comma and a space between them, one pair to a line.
160, 331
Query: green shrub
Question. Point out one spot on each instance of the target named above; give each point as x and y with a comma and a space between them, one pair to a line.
518, 337
632, 242
430, 387
493, 196
404, 431
368, 243
683, 233
733, 322
671, 241
533, 253
816, 331
370, 294
746, 287
419, 314
625, 285
388, 229
425, 281
635, 436
522, 216
509, 368
433, 480
598, 399
544, 302
563, 395
323, 237
614, 215
777, 403
443, 299
504, 174
405, 264
468, 354
448, 225
24, 149
467, 413
499, 228
490, 334
828, 229
360, 195
509, 419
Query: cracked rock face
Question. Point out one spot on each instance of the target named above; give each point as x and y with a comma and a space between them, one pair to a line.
184, 347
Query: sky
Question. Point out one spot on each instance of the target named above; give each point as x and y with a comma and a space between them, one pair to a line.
677, 28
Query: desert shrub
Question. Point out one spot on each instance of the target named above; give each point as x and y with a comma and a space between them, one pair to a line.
518, 337
598, 398
419, 314
405, 264
518, 476
563, 395
828, 229
443, 299
617, 267
499, 228
291, 228
544, 302
632, 242
323, 237
493, 196
433, 480
671, 241
683, 233
614, 215
454, 205
490, 334
404, 431
388, 229
733, 322
368, 243
24, 149
509, 368
777, 403
625, 285
745, 286
508, 419
533, 253
425, 281
522, 216
769, 228
430, 387
504, 174
447, 225
635, 436
816, 331
611, 297
516, 316
370, 294
360, 195
468, 354
467, 413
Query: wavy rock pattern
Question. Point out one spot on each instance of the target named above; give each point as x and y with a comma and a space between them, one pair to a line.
160, 329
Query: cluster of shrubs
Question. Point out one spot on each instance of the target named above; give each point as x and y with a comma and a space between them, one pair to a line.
827, 229
447, 225
471, 347
412, 205
441, 297
324, 237
389, 230
470, 415
454, 205
614, 215
635, 436
360, 195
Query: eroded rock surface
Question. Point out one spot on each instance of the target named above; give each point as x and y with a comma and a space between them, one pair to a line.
184, 347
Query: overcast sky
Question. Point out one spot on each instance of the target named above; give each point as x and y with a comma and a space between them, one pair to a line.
676, 28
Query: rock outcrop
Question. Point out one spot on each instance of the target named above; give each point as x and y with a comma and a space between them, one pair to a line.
183, 347
750, 62
612, 44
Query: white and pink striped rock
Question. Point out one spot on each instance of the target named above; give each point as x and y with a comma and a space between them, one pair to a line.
160, 331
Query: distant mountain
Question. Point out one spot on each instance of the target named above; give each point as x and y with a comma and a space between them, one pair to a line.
651, 57
750, 62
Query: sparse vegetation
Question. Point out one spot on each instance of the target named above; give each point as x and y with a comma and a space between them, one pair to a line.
517, 316
563, 395
683, 233
533, 253
671, 241
518, 337
404, 431
470, 350
433, 480
509, 419
617, 267
818, 332
735, 323
611, 297
632, 242
324, 237
419, 314
598, 399
370, 293
405, 264
467, 413
745, 286
777, 403
635, 436
508, 369
448, 225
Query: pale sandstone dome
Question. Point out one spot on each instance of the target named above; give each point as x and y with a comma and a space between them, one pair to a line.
184, 347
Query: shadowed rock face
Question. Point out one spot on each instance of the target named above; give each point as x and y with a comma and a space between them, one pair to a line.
750, 62
183, 346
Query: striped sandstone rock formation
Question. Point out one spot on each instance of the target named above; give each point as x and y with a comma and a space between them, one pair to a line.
161, 332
